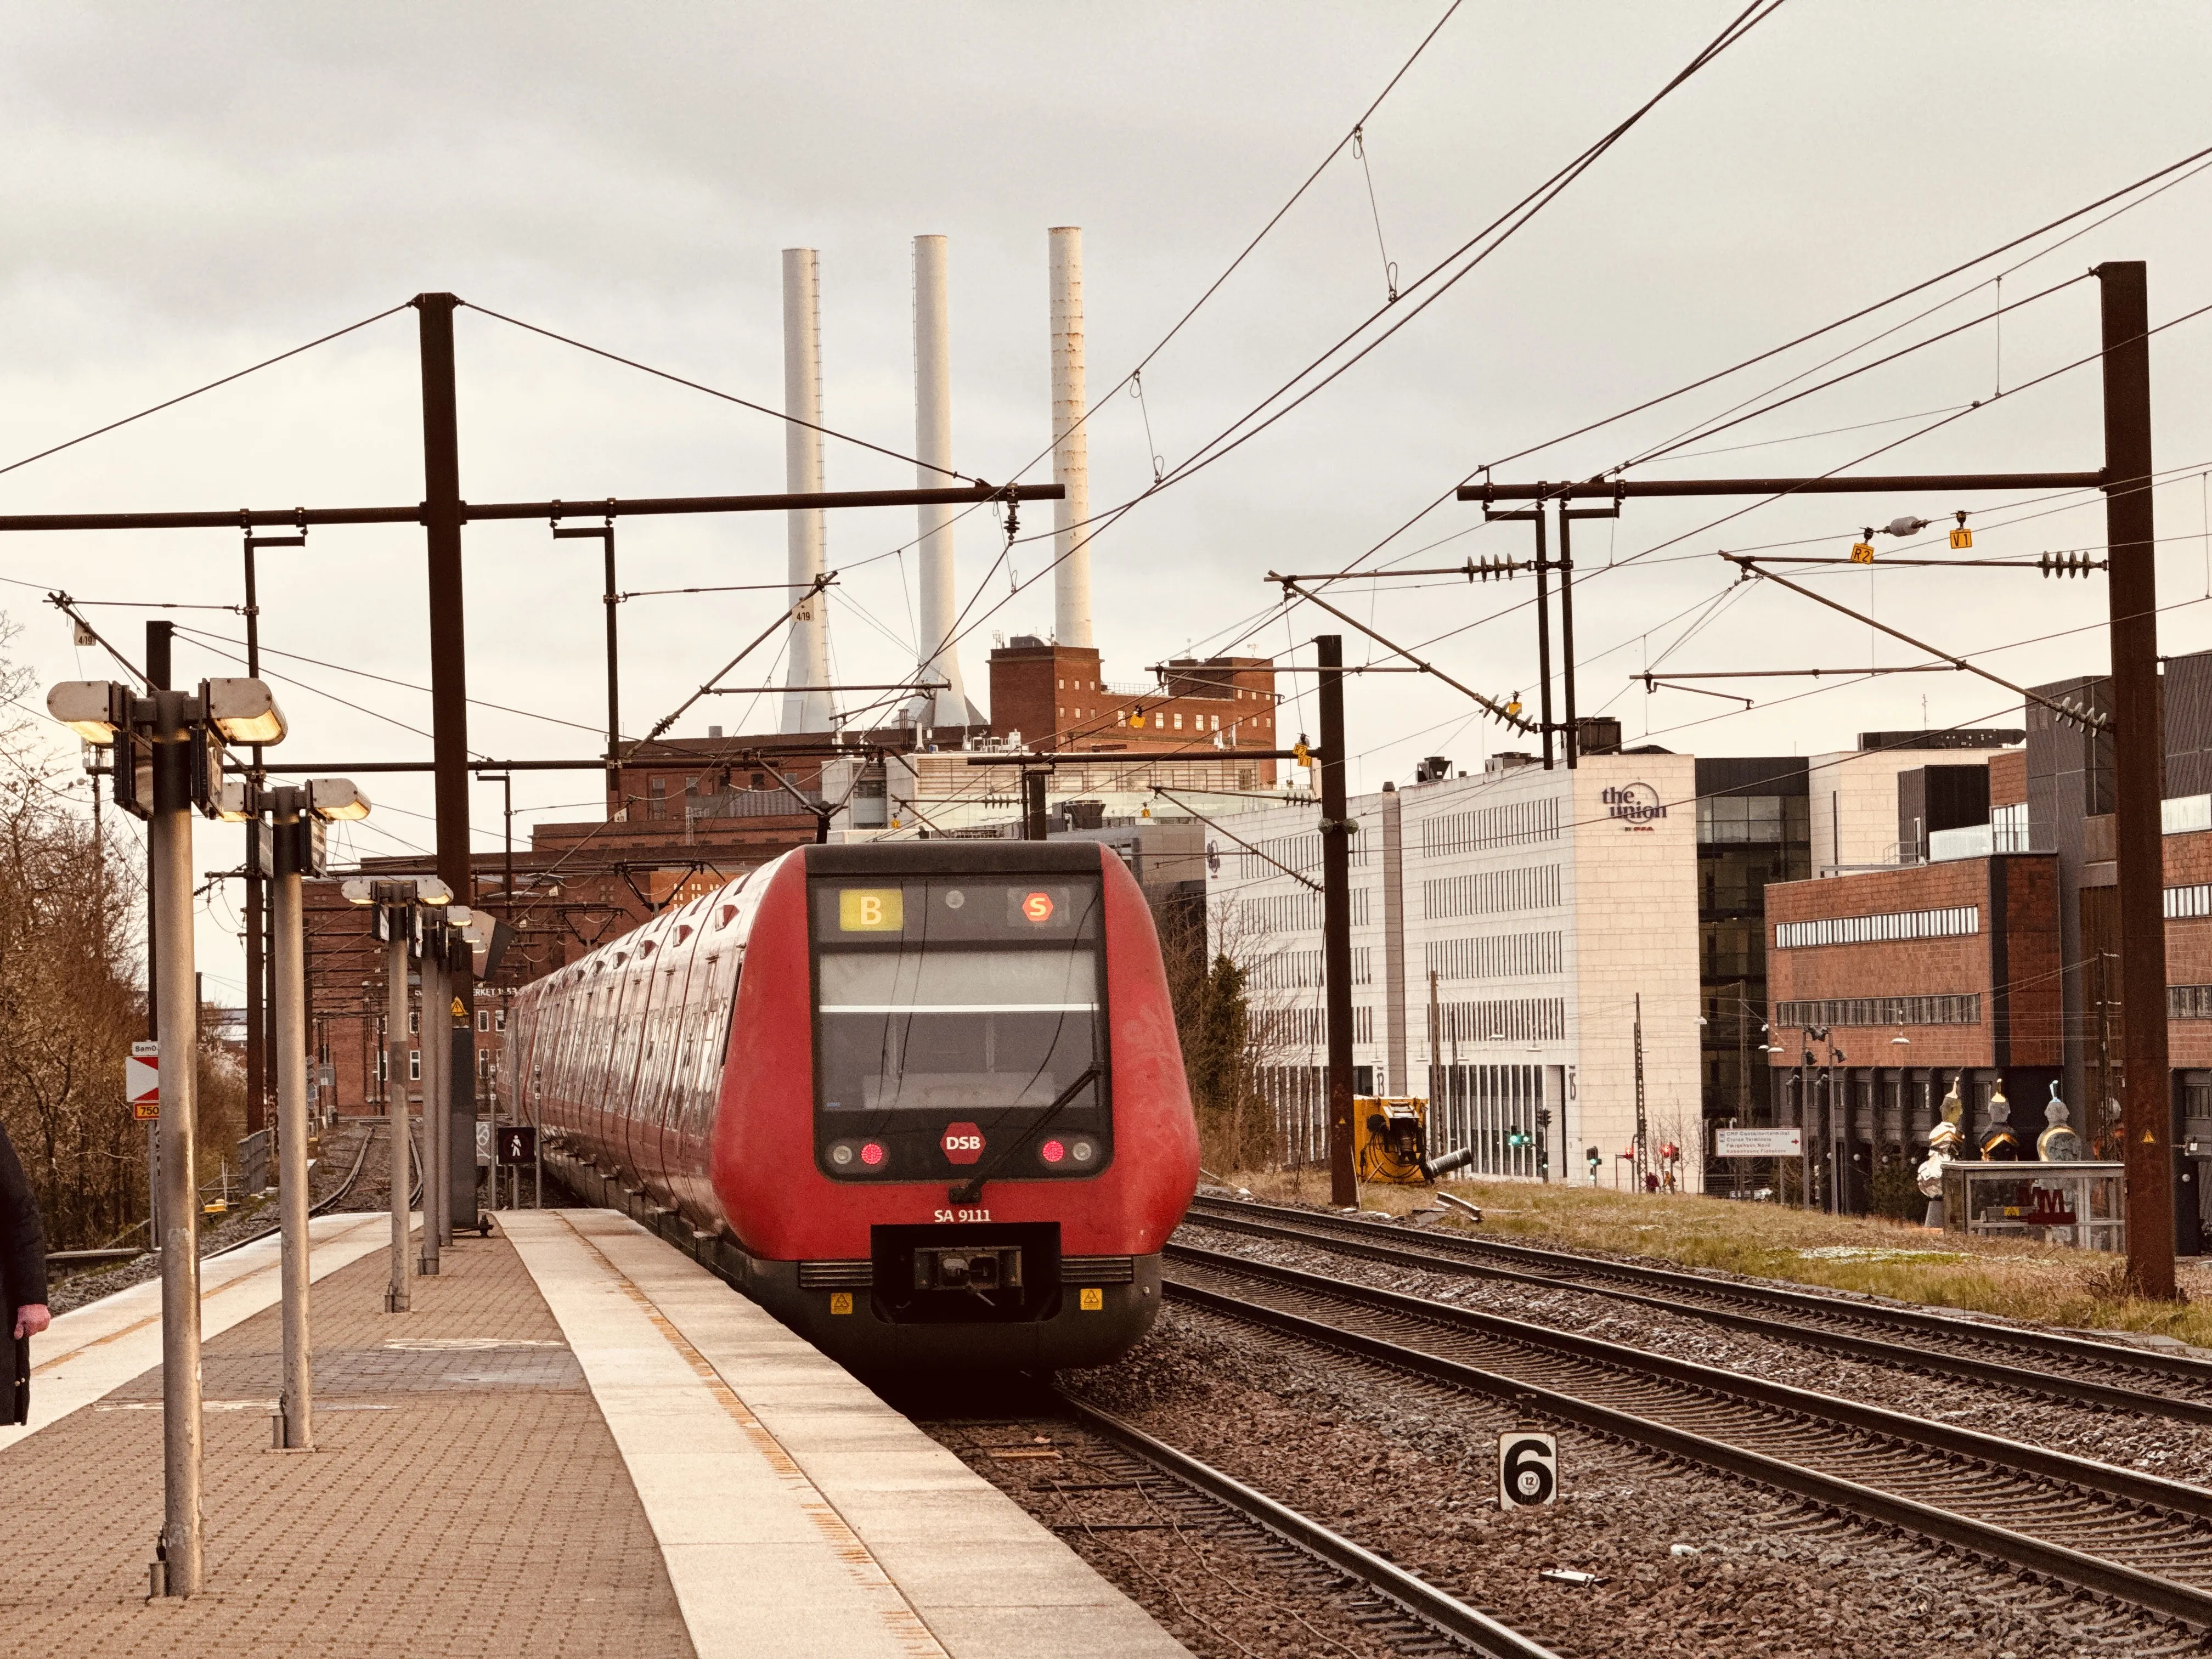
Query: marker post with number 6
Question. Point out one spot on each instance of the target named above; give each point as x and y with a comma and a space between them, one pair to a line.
1528, 1469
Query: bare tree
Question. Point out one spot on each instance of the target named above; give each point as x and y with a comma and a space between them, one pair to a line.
70, 1002
1236, 1023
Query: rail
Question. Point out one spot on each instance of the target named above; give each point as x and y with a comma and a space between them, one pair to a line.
1473, 1630
1879, 1466
1811, 1317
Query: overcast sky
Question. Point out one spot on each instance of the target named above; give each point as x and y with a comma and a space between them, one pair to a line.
195, 188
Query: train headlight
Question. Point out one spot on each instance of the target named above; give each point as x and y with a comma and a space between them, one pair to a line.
1069, 1154
858, 1157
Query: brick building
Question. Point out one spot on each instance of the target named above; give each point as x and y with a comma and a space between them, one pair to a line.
1998, 941
1057, 698
1888, 987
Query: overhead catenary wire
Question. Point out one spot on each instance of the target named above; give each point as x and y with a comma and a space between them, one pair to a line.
186, 396
1846, 321
1495, 235
715, 391
1922, 286
1468, 256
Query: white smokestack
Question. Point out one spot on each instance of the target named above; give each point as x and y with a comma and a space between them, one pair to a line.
806, 530
933, 448
1071, 445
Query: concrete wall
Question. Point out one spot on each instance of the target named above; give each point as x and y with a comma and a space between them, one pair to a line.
1634, 908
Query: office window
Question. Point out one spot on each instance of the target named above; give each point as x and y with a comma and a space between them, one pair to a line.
1950, 923
484, 1019
413, 1065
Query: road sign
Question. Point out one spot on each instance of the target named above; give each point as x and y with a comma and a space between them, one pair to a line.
483, 1142
1758, 1143
516, 1143
1528, 1468
142, 1081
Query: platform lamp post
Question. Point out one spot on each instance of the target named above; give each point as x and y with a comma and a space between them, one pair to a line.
170, 761
398, 909
293, 838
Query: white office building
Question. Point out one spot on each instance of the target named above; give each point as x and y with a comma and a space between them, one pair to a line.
1504, 926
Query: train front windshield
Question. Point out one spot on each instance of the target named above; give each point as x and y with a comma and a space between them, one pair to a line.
953, 1011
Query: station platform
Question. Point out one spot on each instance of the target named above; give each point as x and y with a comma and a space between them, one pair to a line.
579, 1442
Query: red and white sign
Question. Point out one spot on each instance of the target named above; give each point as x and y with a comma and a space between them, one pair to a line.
141, 1080
1037, 907
961, 1143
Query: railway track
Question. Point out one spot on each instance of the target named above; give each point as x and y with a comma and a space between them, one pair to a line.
1179, 1493
2077, 1369
317, 1208
2112, 1533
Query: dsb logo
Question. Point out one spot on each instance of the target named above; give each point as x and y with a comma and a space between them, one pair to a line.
961, 1143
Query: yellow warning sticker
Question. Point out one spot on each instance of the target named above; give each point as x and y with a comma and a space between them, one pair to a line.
2149, 1139
840, 1301
1092, 1299
459, 1009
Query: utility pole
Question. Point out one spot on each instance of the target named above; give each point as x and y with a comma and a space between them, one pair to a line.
1743, 1113
1336, 920
169, 859
604, 535
430, 1043
160, 637
455, 1049
1034, 824
1435, 1070
257, 965
2140, 775
289, 830
397, 919
1637, 1165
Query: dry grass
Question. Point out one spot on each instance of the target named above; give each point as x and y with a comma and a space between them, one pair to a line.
2045, 1283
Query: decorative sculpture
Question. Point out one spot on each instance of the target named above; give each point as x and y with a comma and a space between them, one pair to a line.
2058, 1144
1945, 1141
2000, 1142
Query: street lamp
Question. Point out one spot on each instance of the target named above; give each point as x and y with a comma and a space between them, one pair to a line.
291, 847
171, 744
399, 908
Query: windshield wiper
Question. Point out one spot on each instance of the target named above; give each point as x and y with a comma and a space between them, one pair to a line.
969, 1190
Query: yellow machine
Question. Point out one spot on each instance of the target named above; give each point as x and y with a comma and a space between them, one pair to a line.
1390, 1138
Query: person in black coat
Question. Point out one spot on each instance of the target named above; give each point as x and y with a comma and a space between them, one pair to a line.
22, 1277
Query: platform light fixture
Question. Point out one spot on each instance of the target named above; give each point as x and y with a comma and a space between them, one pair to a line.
94, 709
244, 711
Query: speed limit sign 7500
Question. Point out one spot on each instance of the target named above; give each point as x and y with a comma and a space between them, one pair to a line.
1528, 1468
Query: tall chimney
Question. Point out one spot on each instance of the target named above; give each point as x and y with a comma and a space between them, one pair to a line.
806, 529
933, 449
1071, 445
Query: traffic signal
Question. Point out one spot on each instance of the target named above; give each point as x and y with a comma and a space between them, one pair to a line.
1517, 1137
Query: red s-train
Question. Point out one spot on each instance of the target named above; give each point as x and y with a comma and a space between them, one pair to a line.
921, 1100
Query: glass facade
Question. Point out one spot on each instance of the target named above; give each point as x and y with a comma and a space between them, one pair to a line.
1749, 833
